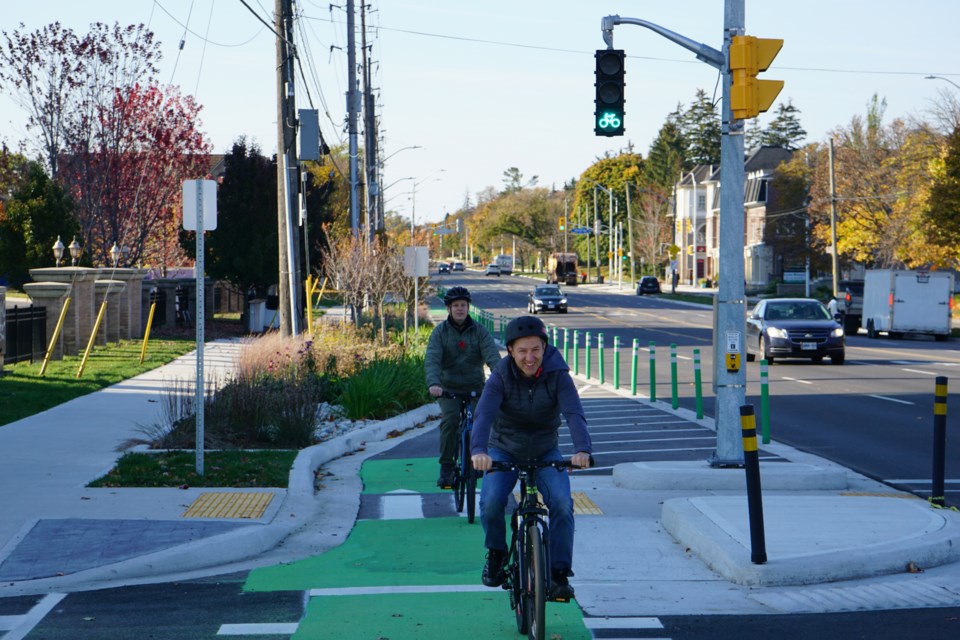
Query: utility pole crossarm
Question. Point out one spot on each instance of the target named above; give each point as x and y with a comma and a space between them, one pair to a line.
707, 54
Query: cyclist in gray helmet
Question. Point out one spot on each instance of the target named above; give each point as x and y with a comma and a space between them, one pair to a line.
457, 350
518, 419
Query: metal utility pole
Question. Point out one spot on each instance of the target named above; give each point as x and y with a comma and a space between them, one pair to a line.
353, 106
374, 221
287, 196
633, 262
835, 259
730, 317
596, 232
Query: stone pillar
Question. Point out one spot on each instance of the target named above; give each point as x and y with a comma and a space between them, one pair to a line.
51, 296
83, 311
109, 291
131, 325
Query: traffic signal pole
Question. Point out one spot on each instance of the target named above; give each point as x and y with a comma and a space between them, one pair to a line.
730, 321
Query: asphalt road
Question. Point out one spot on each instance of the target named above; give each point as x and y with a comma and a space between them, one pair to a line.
873, 414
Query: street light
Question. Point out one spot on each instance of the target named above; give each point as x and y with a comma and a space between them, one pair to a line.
75, 252
58, 250
115, 254
413, 146
413, 212
933, 77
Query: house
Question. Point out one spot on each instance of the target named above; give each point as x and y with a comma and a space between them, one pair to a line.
697, 220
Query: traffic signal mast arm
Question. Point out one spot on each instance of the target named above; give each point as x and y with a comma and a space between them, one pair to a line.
703, 52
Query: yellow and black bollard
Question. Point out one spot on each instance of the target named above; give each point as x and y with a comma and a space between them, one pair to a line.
939, 442
751, 460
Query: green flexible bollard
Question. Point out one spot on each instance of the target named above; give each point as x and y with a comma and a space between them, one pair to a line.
600, 357
566, 344
576, 352
587, 352
675, 397
698, 386
653, 373
764, 403
633, 369
616, 362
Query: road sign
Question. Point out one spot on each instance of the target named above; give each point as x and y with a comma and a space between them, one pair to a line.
580, 230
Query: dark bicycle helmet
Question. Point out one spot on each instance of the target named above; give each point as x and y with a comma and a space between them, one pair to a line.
525, 326
456, 293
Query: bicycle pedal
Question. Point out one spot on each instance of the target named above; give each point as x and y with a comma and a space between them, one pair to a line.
561, 600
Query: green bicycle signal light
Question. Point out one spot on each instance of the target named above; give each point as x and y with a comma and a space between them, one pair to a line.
609, 84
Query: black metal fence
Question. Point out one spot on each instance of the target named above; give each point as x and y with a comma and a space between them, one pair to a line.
26, 334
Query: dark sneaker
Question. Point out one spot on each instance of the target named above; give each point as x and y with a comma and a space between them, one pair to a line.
447, 475
561, 590
493, 575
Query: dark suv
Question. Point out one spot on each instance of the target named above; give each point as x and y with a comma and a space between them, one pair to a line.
851, 304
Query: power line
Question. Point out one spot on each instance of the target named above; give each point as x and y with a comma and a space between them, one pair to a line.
193, 33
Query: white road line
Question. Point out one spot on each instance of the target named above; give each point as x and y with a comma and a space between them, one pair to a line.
926, 373
373, 591
897, 400
610, 453
796, 380
402, 505
632, 432
24, 624
919, 481
257, 629
710, 437
622, 623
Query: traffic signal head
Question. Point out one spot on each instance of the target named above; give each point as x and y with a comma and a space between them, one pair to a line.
748, 57
608, 111
562, 224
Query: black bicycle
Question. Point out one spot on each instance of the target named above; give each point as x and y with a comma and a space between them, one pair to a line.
528, 561
465, 476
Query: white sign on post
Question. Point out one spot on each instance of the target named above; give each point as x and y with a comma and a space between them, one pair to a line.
209, 194
416, 264
199, 214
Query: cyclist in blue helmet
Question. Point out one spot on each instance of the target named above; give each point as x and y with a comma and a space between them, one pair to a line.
457, 350
518, 418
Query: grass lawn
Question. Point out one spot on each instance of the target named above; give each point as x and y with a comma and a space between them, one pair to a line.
24, 392
238, 469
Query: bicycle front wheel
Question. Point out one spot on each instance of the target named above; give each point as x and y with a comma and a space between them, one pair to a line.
536, 587
470, 482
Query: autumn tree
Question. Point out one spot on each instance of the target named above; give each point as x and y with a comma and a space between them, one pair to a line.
941, 213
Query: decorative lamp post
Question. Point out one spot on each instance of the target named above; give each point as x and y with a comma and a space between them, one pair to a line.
115, 254
58, 250
75, 252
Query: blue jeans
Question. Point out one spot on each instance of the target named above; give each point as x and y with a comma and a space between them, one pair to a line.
553, 484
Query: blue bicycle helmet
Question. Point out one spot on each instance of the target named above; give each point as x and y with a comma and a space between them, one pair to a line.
456, 293
526, 326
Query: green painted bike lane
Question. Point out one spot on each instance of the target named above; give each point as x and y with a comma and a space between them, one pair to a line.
405, 579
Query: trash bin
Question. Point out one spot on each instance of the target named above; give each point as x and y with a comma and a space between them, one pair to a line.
600, 279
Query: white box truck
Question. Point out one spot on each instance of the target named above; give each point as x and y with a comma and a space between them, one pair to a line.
505, 263
899, 302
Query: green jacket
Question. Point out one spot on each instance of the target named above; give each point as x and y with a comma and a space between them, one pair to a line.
455, 357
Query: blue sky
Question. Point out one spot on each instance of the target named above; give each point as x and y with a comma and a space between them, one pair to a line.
486, 85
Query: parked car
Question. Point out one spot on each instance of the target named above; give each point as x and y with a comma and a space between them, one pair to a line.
443, 267
648, 284
546, 298
458, 266
794, 328
492, 270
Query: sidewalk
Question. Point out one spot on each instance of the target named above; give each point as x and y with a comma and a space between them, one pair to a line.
671, 538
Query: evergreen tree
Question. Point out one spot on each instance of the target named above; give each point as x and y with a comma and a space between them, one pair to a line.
784, 130
701, 130
665, 158
752, 135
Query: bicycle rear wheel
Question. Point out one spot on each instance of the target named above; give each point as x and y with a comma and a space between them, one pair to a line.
517, 599
459, 490
536, 584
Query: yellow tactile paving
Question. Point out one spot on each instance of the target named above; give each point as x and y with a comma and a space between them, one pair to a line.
582, 505
229, 505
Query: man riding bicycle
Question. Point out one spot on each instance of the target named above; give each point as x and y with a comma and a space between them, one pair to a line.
518, 419
456, 353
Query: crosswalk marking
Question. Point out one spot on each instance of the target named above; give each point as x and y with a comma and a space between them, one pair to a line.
259, 629
623, 623
375, 591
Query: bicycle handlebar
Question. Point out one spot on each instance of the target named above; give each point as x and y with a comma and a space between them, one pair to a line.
460, 396
531, 466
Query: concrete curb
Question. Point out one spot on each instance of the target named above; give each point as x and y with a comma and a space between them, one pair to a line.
724, 546
248, 541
